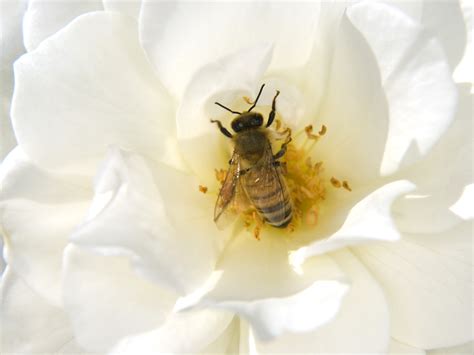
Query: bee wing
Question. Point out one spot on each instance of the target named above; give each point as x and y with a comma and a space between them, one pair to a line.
227, 193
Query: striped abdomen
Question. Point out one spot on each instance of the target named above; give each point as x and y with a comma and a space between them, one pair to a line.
267, 190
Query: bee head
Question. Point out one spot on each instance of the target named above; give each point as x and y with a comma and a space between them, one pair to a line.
247, 120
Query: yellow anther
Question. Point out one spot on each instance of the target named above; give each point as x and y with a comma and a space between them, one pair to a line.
335, 182
345, 185
323, 130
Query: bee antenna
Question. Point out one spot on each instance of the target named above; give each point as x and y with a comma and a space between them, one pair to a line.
228, 109
256, 100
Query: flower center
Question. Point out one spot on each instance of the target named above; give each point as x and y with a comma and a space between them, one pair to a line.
303, 177
265, 187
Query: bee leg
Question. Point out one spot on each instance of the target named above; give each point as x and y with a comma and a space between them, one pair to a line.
282, 150
271, 116
223, 130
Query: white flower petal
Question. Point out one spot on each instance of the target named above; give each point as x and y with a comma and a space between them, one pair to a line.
85, 88
445, 20
200, 140
274, 294
397, 348
302, 312
30, 325
202, 32
227, 342
428, 283
189, 332
369, 220
442, 197
38, 212
44, 18
416, 78
157, 216
361, 325
106, 301
11, 41
126, 7
463, 206
353, 106
463, 349
464, 72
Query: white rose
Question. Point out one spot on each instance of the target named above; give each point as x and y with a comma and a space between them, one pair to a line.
110, 245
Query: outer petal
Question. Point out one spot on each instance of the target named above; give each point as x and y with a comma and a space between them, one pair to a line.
30, 325
189, 332
416, 78
201, 32
428, 282
272, 294
444, 179
464, 72
361, 326
38, 211
369, 220
155, 215
85, 88
130, 7
397, 348
11, 42
107, 301
45, 18
445, 20
464, 349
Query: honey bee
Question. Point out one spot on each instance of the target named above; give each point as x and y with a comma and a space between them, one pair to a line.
254, 171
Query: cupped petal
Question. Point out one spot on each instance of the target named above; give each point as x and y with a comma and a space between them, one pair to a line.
428, 283
157, 216
190, 332
30, 324
11, 42
85, 88
369, 220
350, 102
107, 301
361, 325
38, 212
130, 7
398, 348
444, 178
44, 18
228, 342
416, 78
257, 280
224, 80
202, 32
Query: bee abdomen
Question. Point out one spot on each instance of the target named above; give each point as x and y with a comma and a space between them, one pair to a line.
274, 206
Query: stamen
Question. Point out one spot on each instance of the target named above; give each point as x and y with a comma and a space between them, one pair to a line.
323, 130
345, 185
309, 132
335, 182
248, 100
203, 189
